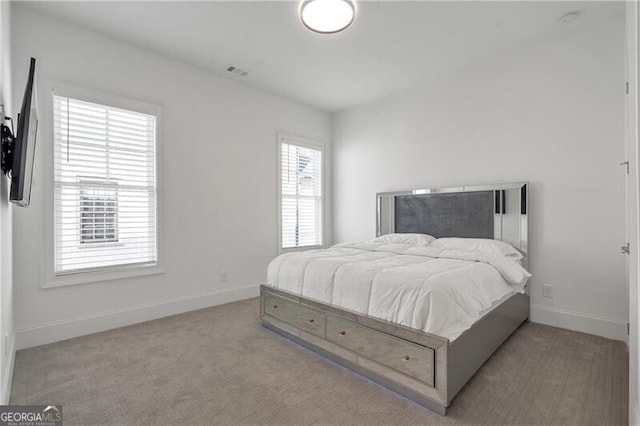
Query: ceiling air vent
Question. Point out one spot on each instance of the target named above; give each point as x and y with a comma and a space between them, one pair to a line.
236, 70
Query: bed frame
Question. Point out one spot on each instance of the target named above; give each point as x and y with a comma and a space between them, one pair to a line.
426, 368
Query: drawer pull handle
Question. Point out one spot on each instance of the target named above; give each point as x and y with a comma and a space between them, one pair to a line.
343, 332
275, 306
406, 358
311, 320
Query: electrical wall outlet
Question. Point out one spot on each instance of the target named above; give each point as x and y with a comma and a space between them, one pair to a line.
224, 276
547, 290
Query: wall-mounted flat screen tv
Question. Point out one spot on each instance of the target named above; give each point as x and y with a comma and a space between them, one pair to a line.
25, 143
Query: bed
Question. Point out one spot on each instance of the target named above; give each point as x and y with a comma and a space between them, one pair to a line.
420, 308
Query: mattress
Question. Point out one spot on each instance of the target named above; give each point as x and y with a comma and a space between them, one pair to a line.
442, 292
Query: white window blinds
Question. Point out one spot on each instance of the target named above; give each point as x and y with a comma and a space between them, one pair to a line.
301, 195
104, 187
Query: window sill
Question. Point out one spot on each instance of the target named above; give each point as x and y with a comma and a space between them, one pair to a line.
116, 273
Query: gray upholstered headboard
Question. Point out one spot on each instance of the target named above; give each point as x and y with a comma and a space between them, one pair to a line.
493, 211
460, 214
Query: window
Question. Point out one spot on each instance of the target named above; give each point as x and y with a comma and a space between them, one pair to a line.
104, 189
301, 193
98, 215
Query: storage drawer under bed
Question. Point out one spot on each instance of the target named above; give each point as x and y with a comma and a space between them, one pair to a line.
295, 314
403, 356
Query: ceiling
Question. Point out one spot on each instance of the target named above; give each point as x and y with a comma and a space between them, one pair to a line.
391, 46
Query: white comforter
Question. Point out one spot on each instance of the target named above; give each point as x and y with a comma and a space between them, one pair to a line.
442, 292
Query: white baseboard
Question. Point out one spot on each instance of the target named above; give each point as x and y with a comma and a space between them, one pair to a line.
8, 378
74, 327
591, 324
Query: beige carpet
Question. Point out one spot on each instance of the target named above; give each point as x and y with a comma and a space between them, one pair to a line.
218, 366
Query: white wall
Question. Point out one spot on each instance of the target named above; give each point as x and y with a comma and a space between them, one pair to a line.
7, 336
551, 114
219, 177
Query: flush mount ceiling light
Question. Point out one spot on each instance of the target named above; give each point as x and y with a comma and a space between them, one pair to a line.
327, 16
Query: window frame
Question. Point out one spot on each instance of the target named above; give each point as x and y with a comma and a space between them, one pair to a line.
303, 141
46, 148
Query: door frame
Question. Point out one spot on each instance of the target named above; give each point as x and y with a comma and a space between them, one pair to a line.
632, 203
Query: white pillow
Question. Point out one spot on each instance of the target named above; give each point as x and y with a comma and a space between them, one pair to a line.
415, 239
478, 244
